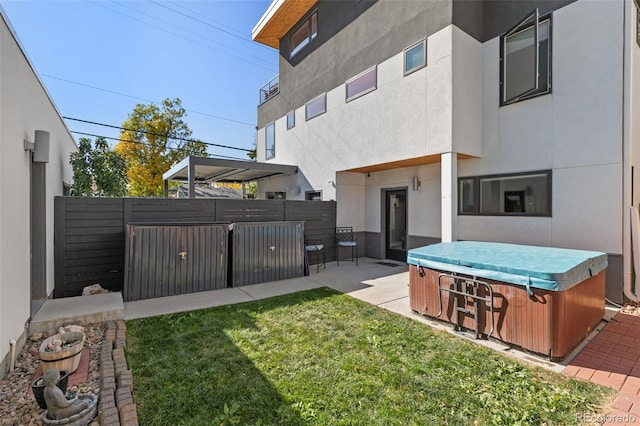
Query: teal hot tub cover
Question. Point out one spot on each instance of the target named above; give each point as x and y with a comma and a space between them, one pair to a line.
548, 268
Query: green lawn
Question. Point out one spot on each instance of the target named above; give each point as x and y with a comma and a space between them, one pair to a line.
322, 358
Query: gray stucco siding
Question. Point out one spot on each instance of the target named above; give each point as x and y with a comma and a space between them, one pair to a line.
345, 48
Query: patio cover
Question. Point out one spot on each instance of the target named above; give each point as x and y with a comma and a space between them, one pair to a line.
202, 169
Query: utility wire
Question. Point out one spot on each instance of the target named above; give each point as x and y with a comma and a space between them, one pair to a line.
205, 23
192, 32
182, 6
176, 35
145, 100
157, 134
144, 144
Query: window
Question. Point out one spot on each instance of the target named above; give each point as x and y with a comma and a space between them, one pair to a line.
316, 106
291, 120
519, 194
304, 34
638, 23
361, 84
415, 57
270, 140
525, 59
313, 196
276, 195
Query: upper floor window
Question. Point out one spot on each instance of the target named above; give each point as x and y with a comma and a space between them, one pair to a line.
518, 194
270, 140
638, 23
525, 59
291, 120
415, 57
304, 34
361, 84
316, 106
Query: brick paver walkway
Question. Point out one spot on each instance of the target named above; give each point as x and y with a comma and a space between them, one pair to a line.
612, 358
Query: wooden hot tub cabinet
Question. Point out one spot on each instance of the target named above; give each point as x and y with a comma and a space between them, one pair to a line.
548, 322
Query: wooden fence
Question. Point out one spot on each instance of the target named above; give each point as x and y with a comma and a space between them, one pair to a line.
90, 232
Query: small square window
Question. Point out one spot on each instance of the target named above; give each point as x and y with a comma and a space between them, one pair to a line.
270, 140
525, 56
291, 120
415, 57
361, 84
316, 106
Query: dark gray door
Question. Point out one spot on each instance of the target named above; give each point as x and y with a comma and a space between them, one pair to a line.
396, 225
38, 237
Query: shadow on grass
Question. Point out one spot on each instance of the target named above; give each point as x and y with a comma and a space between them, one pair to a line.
188, 371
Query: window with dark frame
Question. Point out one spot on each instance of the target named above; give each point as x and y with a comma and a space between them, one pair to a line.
517, 194
291, 120
302, 36
276, 195
415, 57
638, 23
525, 59
313, 195
270, 141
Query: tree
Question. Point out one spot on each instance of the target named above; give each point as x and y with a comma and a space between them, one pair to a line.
155, 138
97, 171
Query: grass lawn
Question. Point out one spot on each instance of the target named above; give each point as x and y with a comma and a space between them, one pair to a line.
322, 358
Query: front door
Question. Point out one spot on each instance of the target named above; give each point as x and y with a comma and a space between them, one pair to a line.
396, 225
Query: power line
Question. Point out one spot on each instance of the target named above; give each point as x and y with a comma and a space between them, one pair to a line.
145, 100
182, 6
177, 35
157, 134
205, 23
193, 32
144, 143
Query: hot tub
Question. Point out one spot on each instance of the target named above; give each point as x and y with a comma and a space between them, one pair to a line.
542, 299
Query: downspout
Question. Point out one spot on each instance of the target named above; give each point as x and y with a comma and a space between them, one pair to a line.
633, 295
12, 343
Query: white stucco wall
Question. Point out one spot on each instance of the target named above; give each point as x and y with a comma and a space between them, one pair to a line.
576, 131
24, 107
405, 117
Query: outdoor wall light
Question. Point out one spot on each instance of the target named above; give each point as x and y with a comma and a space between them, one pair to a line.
39, 147
415, 183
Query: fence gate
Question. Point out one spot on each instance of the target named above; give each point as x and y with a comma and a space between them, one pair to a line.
167, 260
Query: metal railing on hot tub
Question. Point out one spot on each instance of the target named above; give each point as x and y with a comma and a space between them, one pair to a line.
467, 288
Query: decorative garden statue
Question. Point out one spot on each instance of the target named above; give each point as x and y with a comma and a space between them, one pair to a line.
58, 406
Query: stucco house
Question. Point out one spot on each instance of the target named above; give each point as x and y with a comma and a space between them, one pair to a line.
34, 167
442, 120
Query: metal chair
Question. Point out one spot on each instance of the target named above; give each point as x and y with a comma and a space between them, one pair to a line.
316, 246
345, 238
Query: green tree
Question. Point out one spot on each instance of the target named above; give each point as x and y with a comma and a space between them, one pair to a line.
156, 138
97, 171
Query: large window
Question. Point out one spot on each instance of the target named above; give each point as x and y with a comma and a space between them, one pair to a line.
415, 57
361, 84
304, 34
519, 194
270, 140
315, 107
525, 59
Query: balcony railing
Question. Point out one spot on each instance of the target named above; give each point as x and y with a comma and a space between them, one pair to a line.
270, 89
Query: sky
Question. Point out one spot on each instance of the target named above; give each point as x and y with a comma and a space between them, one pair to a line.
98, 59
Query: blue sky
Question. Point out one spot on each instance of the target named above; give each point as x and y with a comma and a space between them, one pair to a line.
98, 59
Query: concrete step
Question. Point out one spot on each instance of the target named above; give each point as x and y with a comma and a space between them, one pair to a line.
86, 309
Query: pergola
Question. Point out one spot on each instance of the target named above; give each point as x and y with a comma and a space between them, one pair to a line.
194, 170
